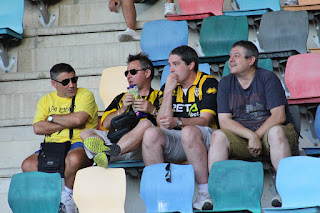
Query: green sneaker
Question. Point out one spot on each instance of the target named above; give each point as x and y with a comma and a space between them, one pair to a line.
101, 160
94, 146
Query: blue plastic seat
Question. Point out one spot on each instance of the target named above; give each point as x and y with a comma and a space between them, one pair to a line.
166, 71
317, 122
283, 33
298, 185
249, 7
160, 37
35, 192
11, 29
159, 195
219, 33
236, 186
262, 63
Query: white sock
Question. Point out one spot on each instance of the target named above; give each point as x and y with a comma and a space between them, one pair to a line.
69, 191
203, 187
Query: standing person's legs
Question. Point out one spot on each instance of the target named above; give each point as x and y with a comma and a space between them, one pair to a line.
170, 8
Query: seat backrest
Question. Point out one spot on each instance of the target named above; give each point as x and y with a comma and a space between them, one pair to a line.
205, 67
236, 185
161, 196
35, 192
265, 63
100, 190
298, 181
219, 33
201, 6
302, 76
112, 83
11, 15
283, 31
257, 5
160, 37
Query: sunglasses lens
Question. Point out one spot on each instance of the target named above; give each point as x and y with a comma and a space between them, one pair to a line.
65, 82
133, 71
126, 73
74, 80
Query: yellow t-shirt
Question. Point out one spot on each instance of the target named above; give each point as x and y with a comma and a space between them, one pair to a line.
53, 104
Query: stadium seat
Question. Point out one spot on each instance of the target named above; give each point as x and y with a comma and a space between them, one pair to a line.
249, 7
167, 188
262, 63
236, 185
35, 192
314, 151
218, 34
197, 10
11, 29
160, 37
283, 33
100, 190
298, 185
166, 71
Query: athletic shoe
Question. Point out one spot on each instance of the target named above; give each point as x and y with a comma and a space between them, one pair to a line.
291, 2
128, 35
101, 160
203, 201
67, 204
170, 9
94, 146
276, 201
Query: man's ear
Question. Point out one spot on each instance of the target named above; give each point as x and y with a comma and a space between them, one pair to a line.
148, 73
192, 65
54, 84
252, 60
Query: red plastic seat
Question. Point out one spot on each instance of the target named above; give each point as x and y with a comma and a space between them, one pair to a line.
302, 77
200, 9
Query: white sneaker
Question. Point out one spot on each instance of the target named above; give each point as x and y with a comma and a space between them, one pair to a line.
67, 204
291, 2
128, 35
170, 9
203, 201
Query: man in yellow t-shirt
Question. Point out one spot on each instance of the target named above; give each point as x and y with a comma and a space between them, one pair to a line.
54, 119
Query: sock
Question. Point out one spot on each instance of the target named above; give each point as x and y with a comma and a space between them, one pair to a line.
203, 187
114, 150
69, 191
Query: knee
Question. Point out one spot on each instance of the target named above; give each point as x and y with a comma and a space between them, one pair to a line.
144, 124
87, 133
219, 138
75, 159
151, 137
29, 165
191, 135
276, 135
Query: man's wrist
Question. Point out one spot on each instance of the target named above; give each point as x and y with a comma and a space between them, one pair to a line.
179, 122
50, 118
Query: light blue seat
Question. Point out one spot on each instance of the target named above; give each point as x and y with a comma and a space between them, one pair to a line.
249, 7
236, 186
35, 192
219, 33
315, 151
159, 37
11, 29
166, 71
298, 185
159, 195
262, 63
283, 33
317, 122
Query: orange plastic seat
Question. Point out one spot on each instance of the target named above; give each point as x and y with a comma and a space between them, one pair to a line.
200, 9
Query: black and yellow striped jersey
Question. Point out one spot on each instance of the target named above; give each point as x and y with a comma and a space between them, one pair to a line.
200, 97
117, 103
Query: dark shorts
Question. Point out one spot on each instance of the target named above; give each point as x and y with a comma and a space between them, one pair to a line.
73, 146
239, 146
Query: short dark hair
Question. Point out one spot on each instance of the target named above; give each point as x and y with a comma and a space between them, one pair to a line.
57, 69
145, 62
250, 50
187, 55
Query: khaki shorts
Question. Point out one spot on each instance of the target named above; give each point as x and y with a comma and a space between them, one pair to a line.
239, 146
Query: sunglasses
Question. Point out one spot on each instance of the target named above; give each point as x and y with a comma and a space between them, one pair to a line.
132, 71
168, 174
65, 82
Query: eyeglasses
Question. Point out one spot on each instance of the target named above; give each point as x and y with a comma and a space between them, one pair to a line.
168, 175
65, 82
132, 71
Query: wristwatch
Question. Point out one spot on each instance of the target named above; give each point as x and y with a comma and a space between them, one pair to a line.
155, 112
179, 122
50, 118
